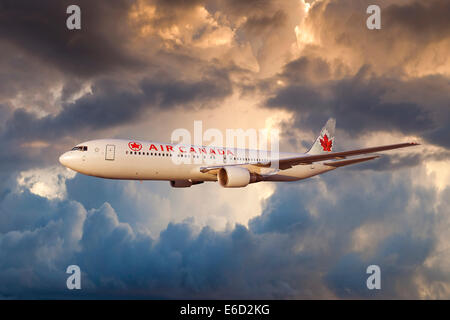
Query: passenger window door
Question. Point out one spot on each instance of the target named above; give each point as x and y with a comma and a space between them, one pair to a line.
110, 152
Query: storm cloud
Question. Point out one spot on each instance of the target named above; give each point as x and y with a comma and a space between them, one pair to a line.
345, 73
381, 101
311, 251
38, 30
143, 68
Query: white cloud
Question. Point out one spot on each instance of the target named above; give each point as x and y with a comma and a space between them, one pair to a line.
48, 182
208, 204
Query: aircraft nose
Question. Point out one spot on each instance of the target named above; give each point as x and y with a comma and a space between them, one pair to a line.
64, 159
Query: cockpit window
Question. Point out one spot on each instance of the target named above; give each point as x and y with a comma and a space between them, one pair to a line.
80, 148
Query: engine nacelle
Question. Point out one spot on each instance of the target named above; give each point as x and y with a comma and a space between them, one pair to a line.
234, 177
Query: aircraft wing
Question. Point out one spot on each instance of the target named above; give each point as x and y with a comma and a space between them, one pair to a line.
252, 167
286, 163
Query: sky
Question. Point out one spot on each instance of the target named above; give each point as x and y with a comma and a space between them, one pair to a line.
139, 69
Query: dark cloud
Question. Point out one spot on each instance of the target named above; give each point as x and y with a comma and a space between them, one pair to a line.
39, 29
255, 9
398, 257
52, 231
281, 216
300, 247
440, 135
393, 162
348, 278
4, 114
306, 69
258, 25
426, 22
314, 238
110, 104
363, 102
345, 73
48, 70
413, 32
114, 102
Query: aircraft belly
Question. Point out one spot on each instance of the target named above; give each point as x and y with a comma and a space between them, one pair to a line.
145, 169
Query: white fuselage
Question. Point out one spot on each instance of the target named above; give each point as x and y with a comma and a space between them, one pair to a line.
140, 160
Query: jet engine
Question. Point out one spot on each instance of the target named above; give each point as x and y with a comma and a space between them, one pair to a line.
236, 177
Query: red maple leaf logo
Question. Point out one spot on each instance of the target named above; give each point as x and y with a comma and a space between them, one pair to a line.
326, 144
135, 146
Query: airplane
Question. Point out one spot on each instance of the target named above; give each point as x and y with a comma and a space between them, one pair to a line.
187, 165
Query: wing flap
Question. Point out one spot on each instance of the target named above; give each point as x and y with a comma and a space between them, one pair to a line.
338, 164
252, 167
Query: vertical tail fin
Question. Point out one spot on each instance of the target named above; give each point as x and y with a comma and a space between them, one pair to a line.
325, 141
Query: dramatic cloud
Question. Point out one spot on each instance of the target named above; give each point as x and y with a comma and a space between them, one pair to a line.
303, 237
414, 33
113, 103
38, 29
142, 68
381, 101
345, 72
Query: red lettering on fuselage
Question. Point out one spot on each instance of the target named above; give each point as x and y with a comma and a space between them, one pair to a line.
170, 148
